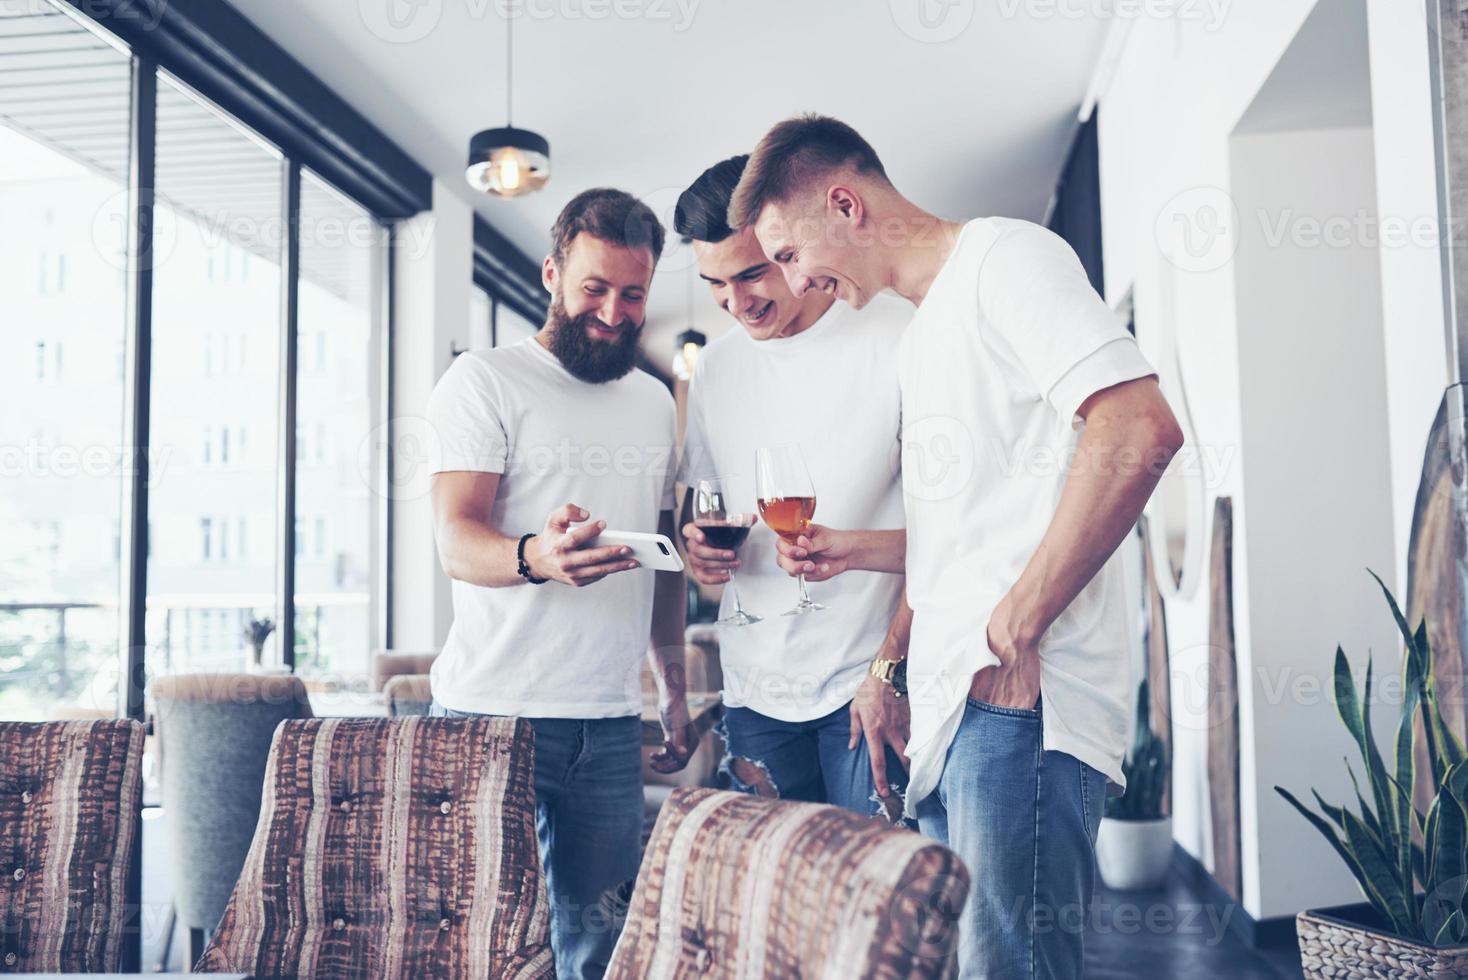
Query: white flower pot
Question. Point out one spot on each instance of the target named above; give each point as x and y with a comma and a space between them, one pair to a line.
1134, 855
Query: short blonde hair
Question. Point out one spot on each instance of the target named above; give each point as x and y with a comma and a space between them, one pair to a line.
793, 155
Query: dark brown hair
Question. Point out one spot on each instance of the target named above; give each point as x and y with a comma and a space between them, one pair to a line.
614, 216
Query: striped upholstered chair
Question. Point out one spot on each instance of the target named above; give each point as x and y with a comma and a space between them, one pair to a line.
392, 848
69, 814
733, 886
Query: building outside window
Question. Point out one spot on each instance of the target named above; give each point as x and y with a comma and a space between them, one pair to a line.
215, 383
64, 214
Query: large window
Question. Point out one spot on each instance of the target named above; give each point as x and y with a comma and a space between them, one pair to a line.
63, 209
511, 327
216, 370
215, 515
342, 261
481, 319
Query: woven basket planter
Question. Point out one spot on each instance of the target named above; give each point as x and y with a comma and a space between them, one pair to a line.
1344, 950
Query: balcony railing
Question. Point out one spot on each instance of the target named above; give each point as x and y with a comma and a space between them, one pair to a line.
61, 656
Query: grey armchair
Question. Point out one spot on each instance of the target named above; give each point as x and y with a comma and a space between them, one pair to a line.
387, 664
408, 694
215, 732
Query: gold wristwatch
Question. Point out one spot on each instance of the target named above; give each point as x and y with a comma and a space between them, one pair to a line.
892, 673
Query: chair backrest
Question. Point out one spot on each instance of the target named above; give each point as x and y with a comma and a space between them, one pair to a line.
214, 734
392, 848
69, 814
408, 694
705, 637
737, 886
387, 664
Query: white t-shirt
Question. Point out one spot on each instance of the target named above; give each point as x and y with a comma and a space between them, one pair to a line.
831, 390
1009, 341
552, 651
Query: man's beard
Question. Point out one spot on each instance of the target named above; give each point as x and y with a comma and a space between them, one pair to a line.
591, 360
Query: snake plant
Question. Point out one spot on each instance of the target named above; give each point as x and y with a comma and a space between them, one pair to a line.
1146, 768
1412, 868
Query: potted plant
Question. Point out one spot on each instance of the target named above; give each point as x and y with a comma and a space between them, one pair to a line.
257, 631
1134, 844
1411, 867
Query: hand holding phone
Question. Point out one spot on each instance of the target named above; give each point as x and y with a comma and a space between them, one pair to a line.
574, 555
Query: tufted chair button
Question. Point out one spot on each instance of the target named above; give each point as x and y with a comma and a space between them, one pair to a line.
346, 806
443, 925
338, 923
445, 808
11, 959
25, 796
18, 874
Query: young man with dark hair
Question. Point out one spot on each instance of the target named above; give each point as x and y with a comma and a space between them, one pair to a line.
543, 445
813, 703
1019, 679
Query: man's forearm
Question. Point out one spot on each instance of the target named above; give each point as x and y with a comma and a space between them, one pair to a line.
669, 610
894, 645
473, 552
878, 551
1099, 506
669, 615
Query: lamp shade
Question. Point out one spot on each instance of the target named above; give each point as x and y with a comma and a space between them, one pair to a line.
508, 162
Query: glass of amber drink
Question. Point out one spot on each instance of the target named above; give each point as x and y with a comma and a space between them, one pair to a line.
787, 502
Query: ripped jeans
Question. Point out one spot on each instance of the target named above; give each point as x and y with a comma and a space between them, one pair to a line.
588, 816
807, 760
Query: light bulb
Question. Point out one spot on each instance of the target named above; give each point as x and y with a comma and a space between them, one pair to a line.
685, 354
510, 172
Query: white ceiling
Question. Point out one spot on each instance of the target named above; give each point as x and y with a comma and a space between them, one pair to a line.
970, 103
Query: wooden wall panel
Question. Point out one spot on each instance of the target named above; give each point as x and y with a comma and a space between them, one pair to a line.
1223, 706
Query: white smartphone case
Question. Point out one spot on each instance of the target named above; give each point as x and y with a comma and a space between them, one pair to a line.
653, 551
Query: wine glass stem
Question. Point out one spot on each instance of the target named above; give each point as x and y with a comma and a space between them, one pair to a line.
804, 595
738, 606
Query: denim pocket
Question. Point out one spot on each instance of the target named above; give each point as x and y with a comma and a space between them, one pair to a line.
999, 709
1093, 798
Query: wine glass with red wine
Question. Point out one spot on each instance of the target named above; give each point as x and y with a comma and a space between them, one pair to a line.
787, 502
726, 530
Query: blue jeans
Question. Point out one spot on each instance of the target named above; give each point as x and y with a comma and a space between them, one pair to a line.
807, 760
588, 817
1024, 821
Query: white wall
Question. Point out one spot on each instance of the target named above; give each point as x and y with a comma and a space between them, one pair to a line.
433, 271
1411, 275
1317, 487
1179, 89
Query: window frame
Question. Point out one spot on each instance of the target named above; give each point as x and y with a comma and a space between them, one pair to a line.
137, 360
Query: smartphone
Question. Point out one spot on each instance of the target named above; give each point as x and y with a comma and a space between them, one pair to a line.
653, 551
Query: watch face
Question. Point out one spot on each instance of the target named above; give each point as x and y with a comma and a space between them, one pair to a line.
899, 676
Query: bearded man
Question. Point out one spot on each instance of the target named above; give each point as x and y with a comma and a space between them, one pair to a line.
541, 446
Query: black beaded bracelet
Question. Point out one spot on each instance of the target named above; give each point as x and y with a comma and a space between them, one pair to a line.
524, 566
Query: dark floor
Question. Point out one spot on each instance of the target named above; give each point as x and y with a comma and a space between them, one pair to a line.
1172, 933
